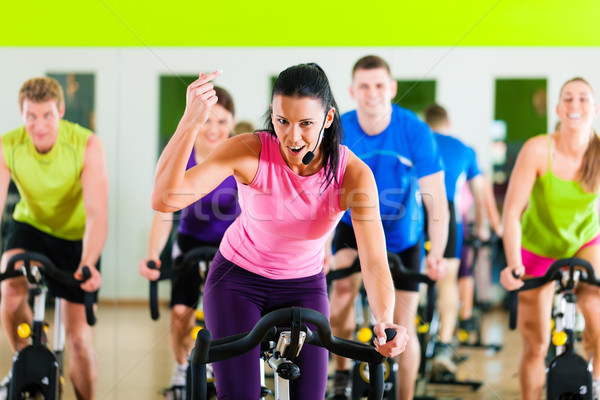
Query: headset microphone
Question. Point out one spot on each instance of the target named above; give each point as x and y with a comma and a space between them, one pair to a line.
310, 155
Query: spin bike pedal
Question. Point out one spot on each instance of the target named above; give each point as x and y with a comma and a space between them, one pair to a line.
360, 379
569, 373
35, 370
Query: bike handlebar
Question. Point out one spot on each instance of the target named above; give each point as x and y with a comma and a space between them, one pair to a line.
48, 269
399, 271
207, 351
558, 270
182, 264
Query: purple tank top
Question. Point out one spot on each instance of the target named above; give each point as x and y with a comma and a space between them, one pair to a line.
208, 218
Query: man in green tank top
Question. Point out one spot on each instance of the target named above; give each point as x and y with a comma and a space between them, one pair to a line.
60, 172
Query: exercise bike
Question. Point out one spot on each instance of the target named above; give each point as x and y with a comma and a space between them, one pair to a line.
568, 376
360, 369
198, 259
36, 369
472, 337
289, 343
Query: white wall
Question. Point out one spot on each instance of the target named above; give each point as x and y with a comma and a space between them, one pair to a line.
127, 107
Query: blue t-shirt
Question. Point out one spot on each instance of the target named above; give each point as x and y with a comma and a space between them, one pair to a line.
460, 164
404, 152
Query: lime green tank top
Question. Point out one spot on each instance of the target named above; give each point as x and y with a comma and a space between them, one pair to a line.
561, 216
49, 184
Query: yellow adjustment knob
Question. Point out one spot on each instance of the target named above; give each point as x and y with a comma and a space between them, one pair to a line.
195, 331
559, 338
200, 315
428, 245
423, 328
364, 334
463, 336
24, 330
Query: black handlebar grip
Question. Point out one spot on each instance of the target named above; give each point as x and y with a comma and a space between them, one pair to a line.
390, 334
88, 298
198, 359
154, 313
513, 307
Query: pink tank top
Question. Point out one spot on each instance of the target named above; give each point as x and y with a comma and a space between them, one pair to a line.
285, 218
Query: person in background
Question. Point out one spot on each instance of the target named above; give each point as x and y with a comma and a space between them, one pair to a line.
550, 213
404, 158
202, 223
60, 172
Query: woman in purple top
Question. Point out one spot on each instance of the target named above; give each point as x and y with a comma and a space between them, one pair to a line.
202, 223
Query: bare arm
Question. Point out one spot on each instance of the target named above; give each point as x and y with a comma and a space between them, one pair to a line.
522, 179
433, 191
491, 207
360, 195
162, 223
476, 184
174, 186
4, 180
94, 182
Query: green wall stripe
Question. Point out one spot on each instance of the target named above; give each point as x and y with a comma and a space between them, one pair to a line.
306, 23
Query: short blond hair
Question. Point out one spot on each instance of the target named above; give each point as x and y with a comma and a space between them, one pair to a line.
40, 90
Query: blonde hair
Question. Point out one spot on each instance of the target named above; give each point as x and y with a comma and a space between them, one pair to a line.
40, 90
589, 173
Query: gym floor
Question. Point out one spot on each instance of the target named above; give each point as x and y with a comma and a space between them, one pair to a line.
135, 360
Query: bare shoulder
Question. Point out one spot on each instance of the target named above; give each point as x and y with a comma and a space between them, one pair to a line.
536, 146
241, 153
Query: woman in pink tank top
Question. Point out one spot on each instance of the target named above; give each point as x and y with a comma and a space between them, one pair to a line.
295, 181
564, 163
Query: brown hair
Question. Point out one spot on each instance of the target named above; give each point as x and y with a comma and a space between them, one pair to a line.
435, 115
371, 62
589, 173
224, 99
40, 90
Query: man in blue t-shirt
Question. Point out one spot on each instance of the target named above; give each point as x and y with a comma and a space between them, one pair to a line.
460, 167
402, 153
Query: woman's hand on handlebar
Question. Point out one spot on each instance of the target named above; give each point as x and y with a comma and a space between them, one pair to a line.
510, 277
93, 282
394, 347
151, 274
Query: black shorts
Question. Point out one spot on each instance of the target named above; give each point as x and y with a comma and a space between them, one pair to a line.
411, 257
450, 251
185, 288
65, 254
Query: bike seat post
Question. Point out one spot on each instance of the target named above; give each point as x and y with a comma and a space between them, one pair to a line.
39, 305
285, 369
59, 332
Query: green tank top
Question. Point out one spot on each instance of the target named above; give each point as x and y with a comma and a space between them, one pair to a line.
561, 216
49, 184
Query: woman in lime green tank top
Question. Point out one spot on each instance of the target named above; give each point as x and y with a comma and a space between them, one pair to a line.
550, 213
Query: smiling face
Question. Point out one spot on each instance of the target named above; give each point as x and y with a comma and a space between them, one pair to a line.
41, 122
373, 91
577, 108
298, 121
216, 129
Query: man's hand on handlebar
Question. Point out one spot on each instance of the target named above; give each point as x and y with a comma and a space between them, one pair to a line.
151, 274
436, 266
510, 277
394, 347
93, 282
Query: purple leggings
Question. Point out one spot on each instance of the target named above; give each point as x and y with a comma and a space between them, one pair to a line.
234, 300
